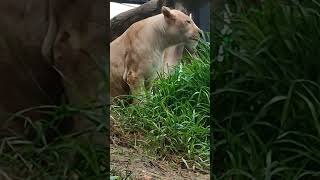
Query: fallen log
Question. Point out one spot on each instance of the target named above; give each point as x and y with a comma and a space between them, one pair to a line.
123, 21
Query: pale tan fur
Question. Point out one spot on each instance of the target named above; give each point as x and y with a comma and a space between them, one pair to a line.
136, 57
172, 55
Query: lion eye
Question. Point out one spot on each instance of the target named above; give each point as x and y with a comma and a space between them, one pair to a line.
188, 21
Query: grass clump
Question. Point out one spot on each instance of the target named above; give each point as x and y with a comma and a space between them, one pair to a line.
61, 157
266, 109
175, 116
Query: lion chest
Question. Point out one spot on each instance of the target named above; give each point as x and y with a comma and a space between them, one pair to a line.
151, 64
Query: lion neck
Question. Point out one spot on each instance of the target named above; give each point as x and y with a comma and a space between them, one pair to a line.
157, 33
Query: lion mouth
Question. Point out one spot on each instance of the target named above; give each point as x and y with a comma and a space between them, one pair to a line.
193, 39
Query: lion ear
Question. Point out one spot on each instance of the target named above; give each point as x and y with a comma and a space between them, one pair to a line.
166, 12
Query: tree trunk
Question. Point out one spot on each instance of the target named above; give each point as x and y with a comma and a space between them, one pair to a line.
123, 21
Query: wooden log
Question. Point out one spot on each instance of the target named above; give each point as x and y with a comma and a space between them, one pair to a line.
123, 21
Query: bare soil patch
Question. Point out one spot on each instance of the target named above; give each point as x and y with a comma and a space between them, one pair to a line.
132, 163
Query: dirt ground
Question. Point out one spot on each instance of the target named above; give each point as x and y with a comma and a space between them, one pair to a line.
132, 163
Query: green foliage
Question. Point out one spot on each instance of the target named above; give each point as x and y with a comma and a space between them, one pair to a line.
267, 97
63, 157
175, 117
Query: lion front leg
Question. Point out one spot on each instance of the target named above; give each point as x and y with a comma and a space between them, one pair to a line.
136, 84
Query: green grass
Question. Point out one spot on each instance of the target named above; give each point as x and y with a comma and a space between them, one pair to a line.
175, 116
65, 157
58, 158
266, 100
